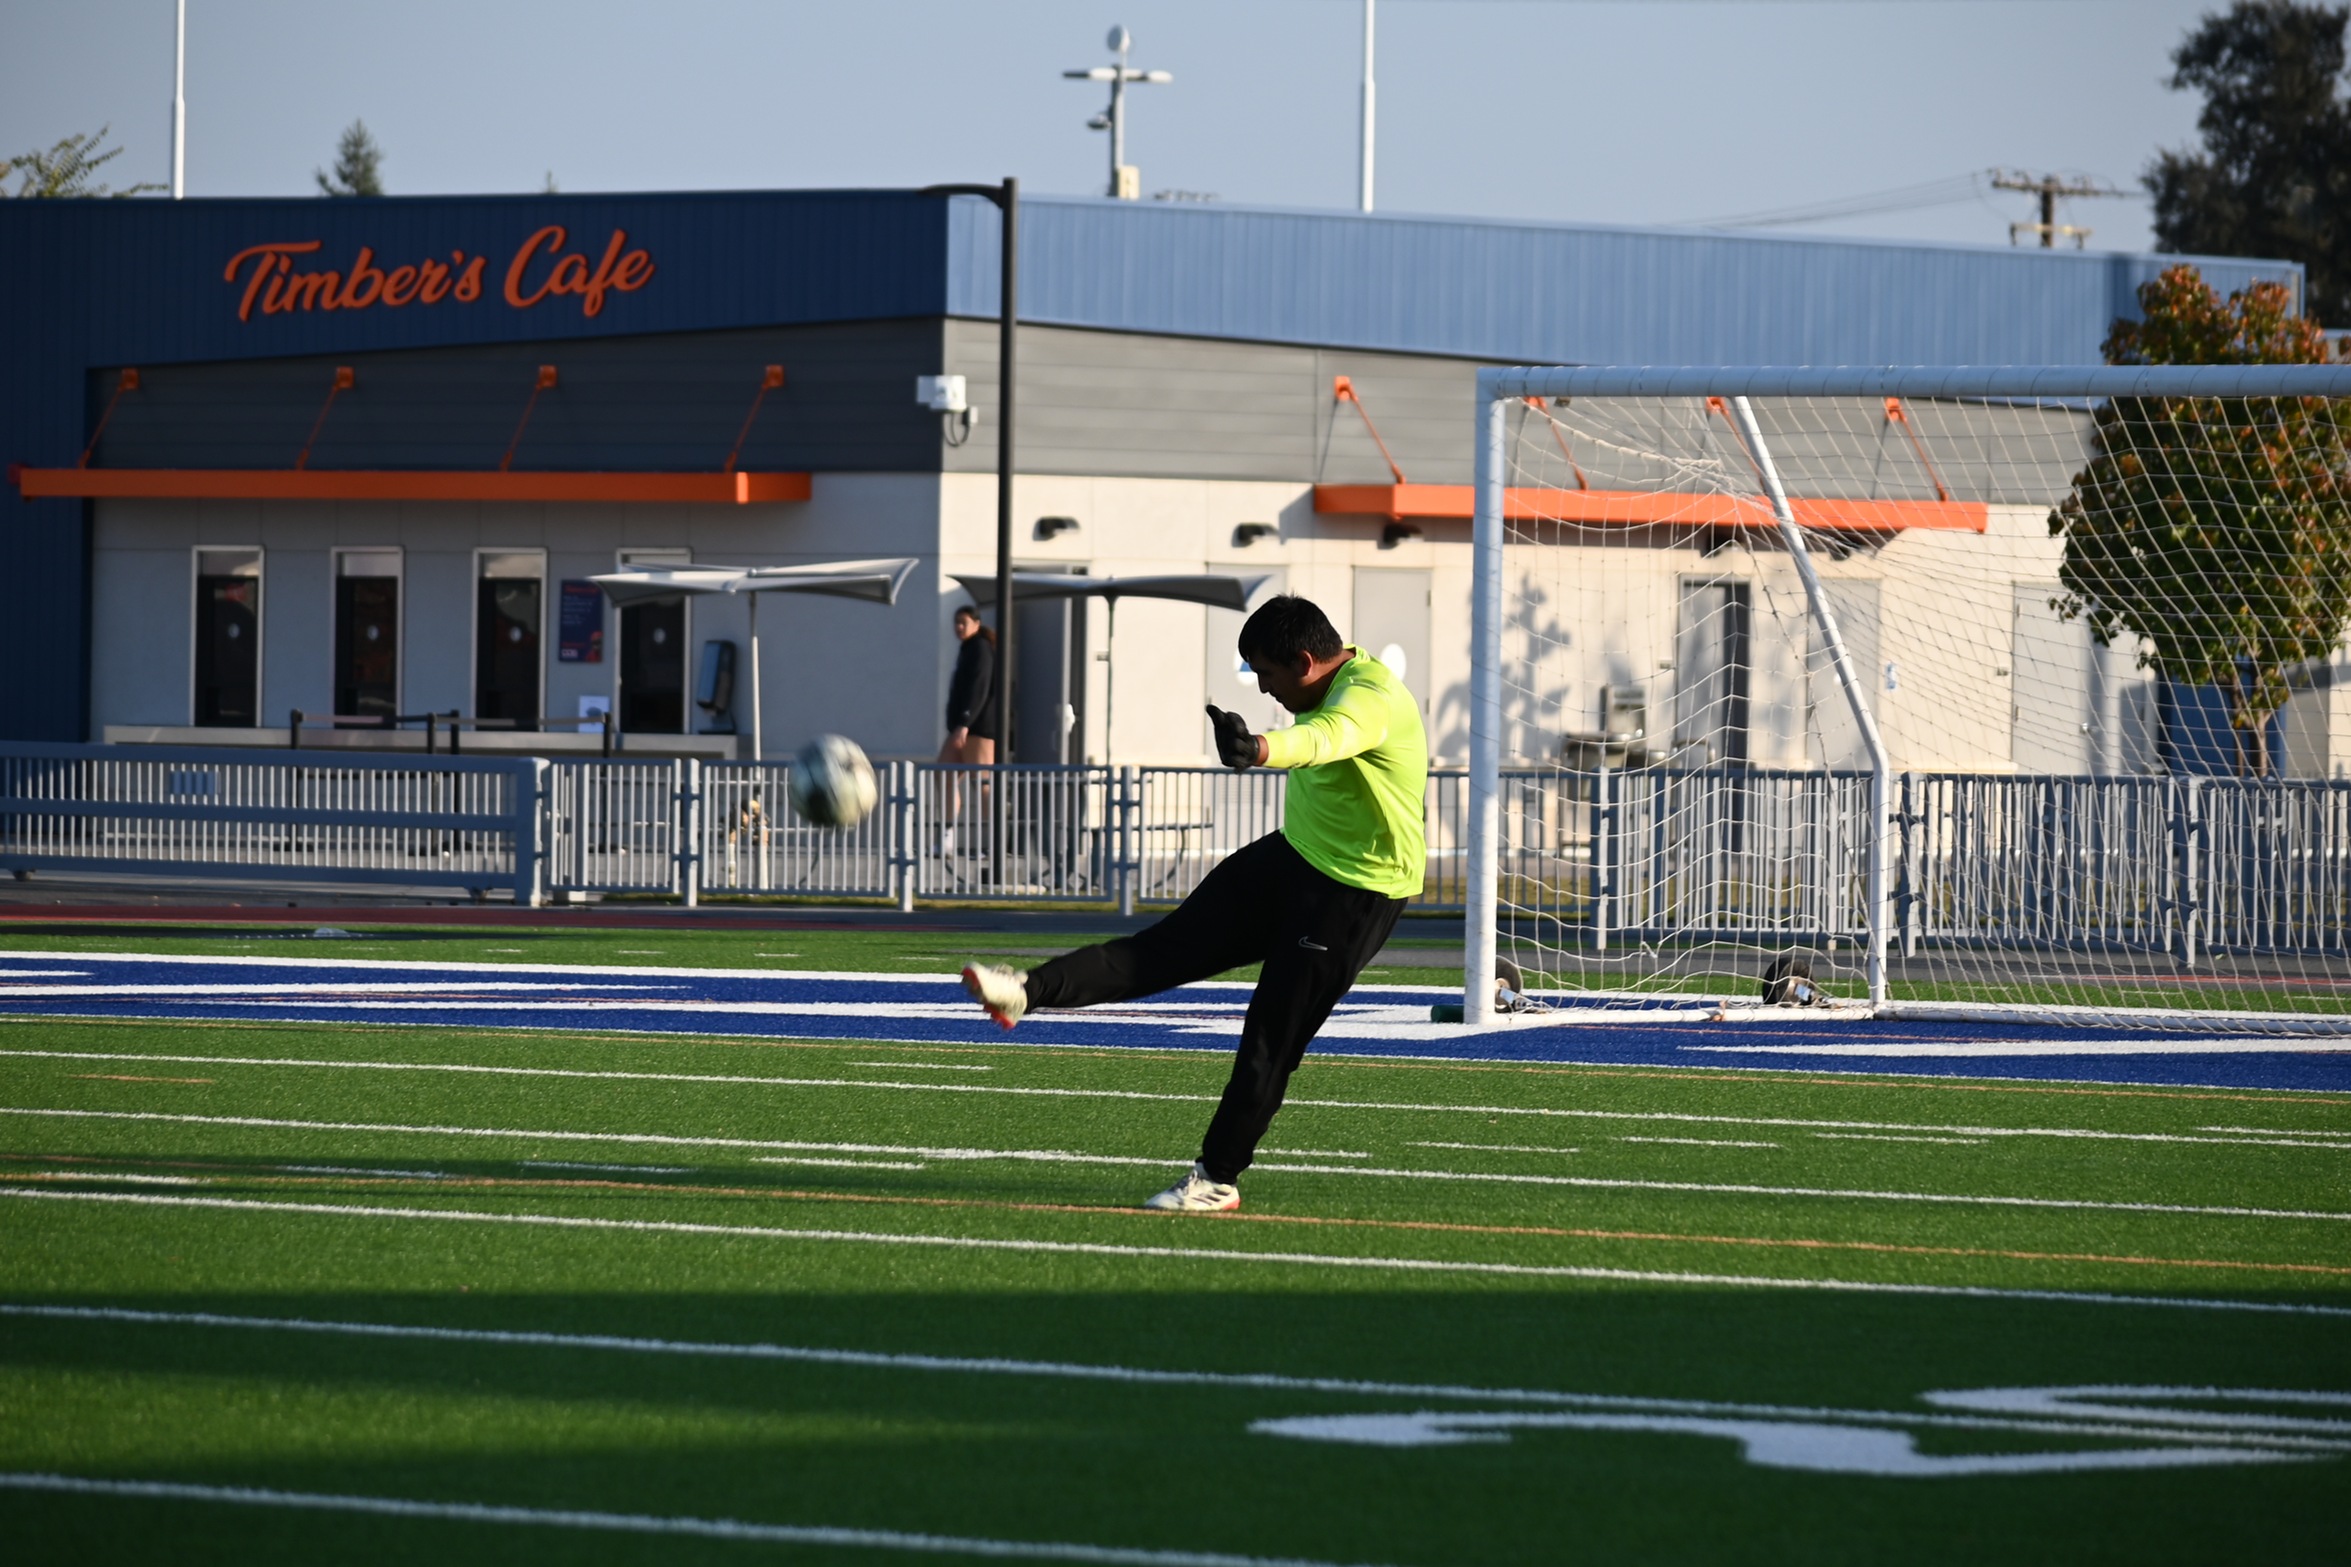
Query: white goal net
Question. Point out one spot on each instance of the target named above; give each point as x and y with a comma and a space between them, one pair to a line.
1956, 691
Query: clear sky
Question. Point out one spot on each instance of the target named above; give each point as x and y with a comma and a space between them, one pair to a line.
1619, 111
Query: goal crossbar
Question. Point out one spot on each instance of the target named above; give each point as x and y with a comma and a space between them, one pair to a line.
1498, 388
2025, 381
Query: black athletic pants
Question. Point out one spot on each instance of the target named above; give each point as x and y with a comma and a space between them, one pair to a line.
1262, 905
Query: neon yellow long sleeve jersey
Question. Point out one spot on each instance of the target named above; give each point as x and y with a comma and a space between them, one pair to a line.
1359, 771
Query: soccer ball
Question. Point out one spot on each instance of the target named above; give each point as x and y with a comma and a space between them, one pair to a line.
832, 782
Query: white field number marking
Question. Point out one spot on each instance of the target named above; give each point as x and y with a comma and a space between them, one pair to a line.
1842, 1441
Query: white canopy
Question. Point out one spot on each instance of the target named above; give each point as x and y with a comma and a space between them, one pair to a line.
1216, 589
876, 581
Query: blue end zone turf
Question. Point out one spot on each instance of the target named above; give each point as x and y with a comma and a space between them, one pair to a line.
1387, 1020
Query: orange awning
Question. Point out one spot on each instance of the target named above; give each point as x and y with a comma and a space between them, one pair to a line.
316, 484
1641, 508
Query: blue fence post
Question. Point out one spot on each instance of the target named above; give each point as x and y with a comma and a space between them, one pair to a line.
527, 830
686, 826
1128, 783
1603, 856
2187, 833
905, 832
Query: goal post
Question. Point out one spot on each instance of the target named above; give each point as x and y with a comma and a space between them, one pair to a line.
1909, 676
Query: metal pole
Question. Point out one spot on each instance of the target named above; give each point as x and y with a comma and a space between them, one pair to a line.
1109, 677
1881, 767
1118, 113
1007, 364
179, 107
756, 753
1371, 92
1485, 721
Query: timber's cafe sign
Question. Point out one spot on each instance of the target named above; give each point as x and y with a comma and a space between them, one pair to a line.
280, 277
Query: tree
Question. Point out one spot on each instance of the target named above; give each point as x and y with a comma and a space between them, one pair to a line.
359, 165
2218, 530
67, 169
2273, 177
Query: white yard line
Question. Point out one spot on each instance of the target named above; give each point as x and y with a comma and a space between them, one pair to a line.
732, 1079
1993, 1049
1029, 1155
1167, 1253
1898, 1137
924, 1066
1622, 1184
238, 990
1671, 1116
2055, 1417
1695, 1142
1497, 1147
642, 1523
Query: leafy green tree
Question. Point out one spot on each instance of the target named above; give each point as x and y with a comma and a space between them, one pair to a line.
2273, 177
2216, 529
68, 168
359, 165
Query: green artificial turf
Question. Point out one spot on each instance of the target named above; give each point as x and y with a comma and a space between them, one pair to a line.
905, 1228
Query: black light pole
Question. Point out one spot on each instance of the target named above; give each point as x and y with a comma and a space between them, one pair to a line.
1007, 200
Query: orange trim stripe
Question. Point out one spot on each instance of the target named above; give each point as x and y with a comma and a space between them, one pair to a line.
282, 484
1638, 508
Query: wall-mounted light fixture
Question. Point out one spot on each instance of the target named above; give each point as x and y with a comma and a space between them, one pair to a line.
1249, 533
946, 396
1054, 527
1396, 533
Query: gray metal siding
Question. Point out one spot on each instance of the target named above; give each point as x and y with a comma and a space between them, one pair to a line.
1131, 406
671, 403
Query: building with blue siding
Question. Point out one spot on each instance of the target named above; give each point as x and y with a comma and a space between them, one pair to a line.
351, 457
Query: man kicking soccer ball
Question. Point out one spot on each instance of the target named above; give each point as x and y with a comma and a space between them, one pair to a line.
1312, 902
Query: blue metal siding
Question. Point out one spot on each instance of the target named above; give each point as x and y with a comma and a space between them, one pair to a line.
1553, 293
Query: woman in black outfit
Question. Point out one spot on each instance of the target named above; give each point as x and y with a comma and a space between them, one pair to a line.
971, 695
971, 713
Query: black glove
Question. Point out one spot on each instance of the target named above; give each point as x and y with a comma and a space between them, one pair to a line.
1234, 743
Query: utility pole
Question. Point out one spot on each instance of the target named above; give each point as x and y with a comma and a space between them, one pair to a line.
2049, 187
1371, 103
1126, 181
179, 108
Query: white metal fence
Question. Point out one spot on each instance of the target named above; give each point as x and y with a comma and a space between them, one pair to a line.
469, 822
2150, 863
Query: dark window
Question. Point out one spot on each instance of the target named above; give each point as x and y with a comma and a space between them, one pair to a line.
506, 650
228, 639
1711, 675
367, 640
653, 668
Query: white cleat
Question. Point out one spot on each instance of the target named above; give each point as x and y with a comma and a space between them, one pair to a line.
999, 987
1196, 1193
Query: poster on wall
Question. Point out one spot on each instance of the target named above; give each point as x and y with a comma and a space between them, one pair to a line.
582, 640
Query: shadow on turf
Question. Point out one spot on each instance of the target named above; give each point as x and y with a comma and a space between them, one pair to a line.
1024, 1457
